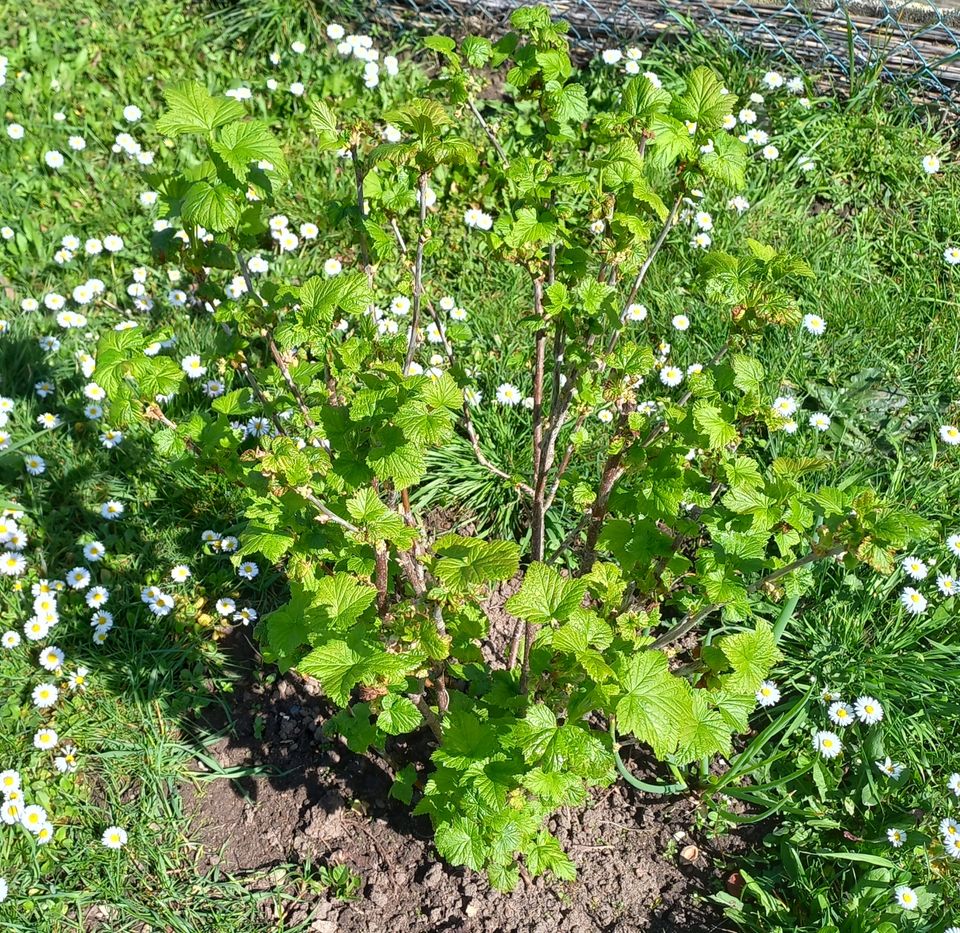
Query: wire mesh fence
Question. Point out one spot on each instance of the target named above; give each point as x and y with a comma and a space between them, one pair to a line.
915, 43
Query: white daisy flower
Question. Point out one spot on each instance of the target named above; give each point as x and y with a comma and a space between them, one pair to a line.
827, 743
913, 601
868, 710
914, 568
768, 694
114, 837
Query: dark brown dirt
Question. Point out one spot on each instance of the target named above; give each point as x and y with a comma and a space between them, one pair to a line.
326, 805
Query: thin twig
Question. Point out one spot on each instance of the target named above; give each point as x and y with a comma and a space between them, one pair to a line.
489, 132
417, 276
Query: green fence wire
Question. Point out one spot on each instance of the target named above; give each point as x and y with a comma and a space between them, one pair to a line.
916, 44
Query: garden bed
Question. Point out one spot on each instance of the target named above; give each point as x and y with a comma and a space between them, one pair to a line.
321, 803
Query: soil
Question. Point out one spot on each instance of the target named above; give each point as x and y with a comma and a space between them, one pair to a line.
640, 865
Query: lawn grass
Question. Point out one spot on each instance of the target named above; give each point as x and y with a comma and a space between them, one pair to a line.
867, 219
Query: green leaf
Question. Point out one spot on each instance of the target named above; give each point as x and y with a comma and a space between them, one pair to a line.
545, 854
531, 228
192, 109
460, 843
241, 144
752, 656
442, 393
727, 162
703, 731
403, 784
748, 374
545, 596
735, 709
158, 375
709, 420
211, 206
271, 544
642, 98
342, 599
568, 104
378, 521
338, 668
441, 44
535, 731
555, 788
704, 102
398, 715
465, 562
477, 50
324, 123
355, 726
654, 701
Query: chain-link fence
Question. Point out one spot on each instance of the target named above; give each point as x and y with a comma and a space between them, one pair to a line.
916, 43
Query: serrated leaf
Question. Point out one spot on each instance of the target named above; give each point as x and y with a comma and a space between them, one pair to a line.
271, 544
403, 784
192, 109
545, 596
240, 144
378, 521
703, 731
355, 726
653, 703
531, 228
338, 668
460, 842
752, 655
726, 162
465, 562
546, 854
211, 205
568, 104
398, 715
555, 788
642, 98
324, 123
342, 599
704, 102
709, 420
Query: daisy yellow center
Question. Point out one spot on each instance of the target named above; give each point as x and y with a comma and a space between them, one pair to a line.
914, 597
869, 710
828, 743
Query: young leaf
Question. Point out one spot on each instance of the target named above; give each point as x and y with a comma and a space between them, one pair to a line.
752, 655
654, 701
545, 596
211, 206
398, 715
241, 144
460, 842
545, 854
192, 109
